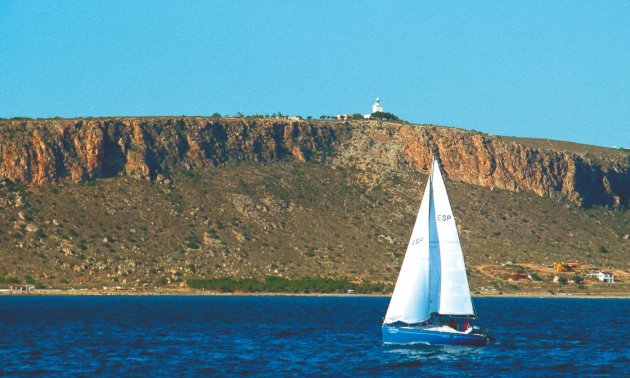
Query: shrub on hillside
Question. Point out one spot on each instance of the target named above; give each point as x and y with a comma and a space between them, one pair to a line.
577, 278
385, 116
275, 284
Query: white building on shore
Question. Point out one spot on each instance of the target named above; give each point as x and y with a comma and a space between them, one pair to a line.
608, 277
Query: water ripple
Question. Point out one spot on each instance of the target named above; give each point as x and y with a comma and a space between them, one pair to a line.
299, 336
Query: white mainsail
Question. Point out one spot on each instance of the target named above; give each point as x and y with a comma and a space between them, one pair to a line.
432, 278
454, 290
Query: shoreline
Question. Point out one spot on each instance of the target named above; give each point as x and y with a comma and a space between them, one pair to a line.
201, 293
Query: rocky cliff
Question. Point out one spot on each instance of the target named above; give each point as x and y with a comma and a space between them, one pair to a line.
46, 151
584, 176
42, 152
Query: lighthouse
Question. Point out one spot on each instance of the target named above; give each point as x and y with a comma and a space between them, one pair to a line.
377, 107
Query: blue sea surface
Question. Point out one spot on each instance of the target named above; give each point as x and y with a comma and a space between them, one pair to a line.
279, 336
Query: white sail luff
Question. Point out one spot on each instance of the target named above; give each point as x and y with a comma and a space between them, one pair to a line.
410, 300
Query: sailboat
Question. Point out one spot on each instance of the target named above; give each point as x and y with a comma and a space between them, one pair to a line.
431, 302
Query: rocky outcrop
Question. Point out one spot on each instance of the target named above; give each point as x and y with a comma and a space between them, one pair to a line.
475, 158
46, 151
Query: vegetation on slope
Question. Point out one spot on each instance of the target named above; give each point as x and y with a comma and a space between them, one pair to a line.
285, 219
274, 284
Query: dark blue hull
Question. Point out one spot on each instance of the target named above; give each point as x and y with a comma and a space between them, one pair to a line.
418, 335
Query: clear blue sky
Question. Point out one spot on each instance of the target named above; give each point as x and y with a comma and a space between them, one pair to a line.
547, 69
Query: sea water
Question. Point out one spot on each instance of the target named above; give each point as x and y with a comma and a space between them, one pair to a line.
279, 336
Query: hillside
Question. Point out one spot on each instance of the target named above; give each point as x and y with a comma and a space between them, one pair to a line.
146, 202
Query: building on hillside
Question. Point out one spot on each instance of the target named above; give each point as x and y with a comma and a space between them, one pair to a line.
608, 277
22, 287
519, 277
567, 267
376, 107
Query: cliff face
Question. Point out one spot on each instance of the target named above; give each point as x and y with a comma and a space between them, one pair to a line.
47, 151
580, 177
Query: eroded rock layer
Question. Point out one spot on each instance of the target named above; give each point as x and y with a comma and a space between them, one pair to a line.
42, 152
46, 151
602, 179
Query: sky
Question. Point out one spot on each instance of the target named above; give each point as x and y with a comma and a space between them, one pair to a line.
544, 69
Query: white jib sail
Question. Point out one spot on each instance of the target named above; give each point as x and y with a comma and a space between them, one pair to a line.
410, 300
454, 293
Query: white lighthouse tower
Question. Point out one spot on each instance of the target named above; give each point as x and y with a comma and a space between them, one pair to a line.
377, 107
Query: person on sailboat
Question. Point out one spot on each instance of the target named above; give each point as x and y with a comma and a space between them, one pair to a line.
466, 327
453, 324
